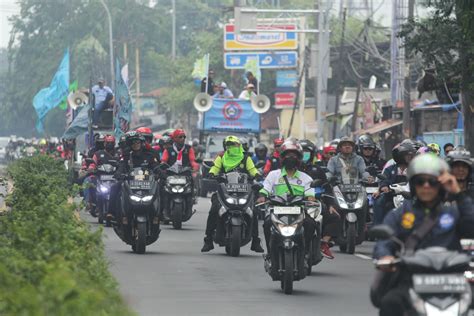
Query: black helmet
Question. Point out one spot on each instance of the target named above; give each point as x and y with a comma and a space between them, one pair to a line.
133, 136
365, 141
261, 148
345, 139
307, 145
460, 156
400, 151
245, 144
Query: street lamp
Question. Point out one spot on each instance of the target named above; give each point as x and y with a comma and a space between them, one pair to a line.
111, 44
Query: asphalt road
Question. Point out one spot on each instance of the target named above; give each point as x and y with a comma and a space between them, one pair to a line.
175, 278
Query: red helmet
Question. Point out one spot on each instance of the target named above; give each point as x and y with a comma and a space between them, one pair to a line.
178, 132
278, 142
146, 132
109, 139
291, 145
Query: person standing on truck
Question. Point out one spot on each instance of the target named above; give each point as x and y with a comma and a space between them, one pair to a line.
210, 86
103, 95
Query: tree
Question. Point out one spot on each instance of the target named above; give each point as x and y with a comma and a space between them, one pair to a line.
445, 40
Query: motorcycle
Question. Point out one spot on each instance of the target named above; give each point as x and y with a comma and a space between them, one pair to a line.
105, 180
351, 203
287, 261
139, 200
178, 197
234, 228
436, 275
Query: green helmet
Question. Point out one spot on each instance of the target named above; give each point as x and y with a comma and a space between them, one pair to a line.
429, 164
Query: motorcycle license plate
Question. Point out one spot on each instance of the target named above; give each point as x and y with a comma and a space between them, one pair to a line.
237, 188
286, 210
439, 283
107, 177
140, 185
350, 188
371, 190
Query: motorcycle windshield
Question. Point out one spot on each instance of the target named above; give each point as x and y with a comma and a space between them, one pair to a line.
237, 184
236, 178
177, 169
349, 175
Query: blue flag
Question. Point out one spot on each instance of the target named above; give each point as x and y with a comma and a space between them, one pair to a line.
49, 98
123, 104
80, 124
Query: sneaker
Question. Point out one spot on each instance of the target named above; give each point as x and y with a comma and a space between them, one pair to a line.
208, 245
256, 245
326, 251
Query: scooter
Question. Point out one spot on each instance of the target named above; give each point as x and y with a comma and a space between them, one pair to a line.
437, 285
105, 180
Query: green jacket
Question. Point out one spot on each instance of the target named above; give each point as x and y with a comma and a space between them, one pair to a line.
246, 164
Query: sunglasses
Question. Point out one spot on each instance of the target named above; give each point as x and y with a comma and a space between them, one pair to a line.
420, 181
331, 153
182, 136
368, 148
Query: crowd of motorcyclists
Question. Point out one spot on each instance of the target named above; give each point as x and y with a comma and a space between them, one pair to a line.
309, 197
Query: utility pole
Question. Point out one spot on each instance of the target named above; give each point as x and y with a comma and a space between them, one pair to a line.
407, 84
111, 44
173, 18
340, 86
137, 78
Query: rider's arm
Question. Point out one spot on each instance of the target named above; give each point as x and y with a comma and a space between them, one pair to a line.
361, 166
331, 167
387, 247
268, 167
268, 184
192, 159
165, 156
466, 215
308, 191
250, 167
217, 167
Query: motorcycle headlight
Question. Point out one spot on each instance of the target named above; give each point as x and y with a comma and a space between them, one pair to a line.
287, 230
104, 189
231, 200
135, 198
242, 201
417, 301
359, 203
147, 198
177, 189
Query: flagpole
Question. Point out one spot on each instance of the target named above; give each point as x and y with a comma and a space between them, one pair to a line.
206, 57
111, 44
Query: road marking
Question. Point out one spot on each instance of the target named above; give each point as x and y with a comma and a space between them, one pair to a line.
359, 255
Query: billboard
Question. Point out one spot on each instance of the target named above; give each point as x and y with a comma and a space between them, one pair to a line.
266, 60
261, 40
231, 116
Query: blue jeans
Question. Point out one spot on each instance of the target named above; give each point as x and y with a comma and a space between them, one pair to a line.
90, 183
382, 205
97, 110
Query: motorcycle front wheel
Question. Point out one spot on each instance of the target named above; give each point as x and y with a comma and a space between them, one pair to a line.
288, 274
235, 241
140, 241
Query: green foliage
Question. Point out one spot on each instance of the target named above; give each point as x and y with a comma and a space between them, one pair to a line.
52, 264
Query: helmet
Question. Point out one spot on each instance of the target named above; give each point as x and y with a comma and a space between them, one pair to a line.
418, 144
308, 150
167, 139
177, 133
146, 133
245, 144
278, 142
327, 149
123, 141
365, 141
435, 148
291, 145
133, 136
230, 139
261, 148
43, 142
424, 150
400, 151
109, 139
426, 164
459, 156
345, 139
195, 142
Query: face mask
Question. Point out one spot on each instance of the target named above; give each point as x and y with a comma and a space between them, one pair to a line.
233, 151
290, 163
109, 147
306, 156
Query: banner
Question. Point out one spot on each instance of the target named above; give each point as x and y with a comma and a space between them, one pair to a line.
123, 104
231, 116
48, 98
72, 88
79, 125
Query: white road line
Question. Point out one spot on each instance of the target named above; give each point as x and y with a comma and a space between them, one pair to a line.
359, 255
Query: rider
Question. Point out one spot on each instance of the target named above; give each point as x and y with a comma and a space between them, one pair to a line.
138, 156
367, 149
461, 167
179, 153
261, 154
274, 162
232, 159
429, 182
147, 133
402, 154
345, 159
328, 152
108, 153
331, 222
288, 180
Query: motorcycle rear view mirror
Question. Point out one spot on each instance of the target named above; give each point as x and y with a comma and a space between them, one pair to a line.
383, 232
316, 183
333, 180
164, 166
381, 176
199, 160
257, 186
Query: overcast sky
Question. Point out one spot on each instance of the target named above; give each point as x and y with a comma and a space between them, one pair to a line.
9, 7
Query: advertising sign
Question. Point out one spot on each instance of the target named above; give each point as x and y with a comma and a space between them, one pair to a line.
232, 116
261, 40
287, 78
285, 100
266, 60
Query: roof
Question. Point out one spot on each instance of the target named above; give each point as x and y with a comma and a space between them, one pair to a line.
379, 127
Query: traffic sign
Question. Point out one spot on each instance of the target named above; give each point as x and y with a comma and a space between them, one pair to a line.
287, 78
284, 100
261, 40
272, 60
